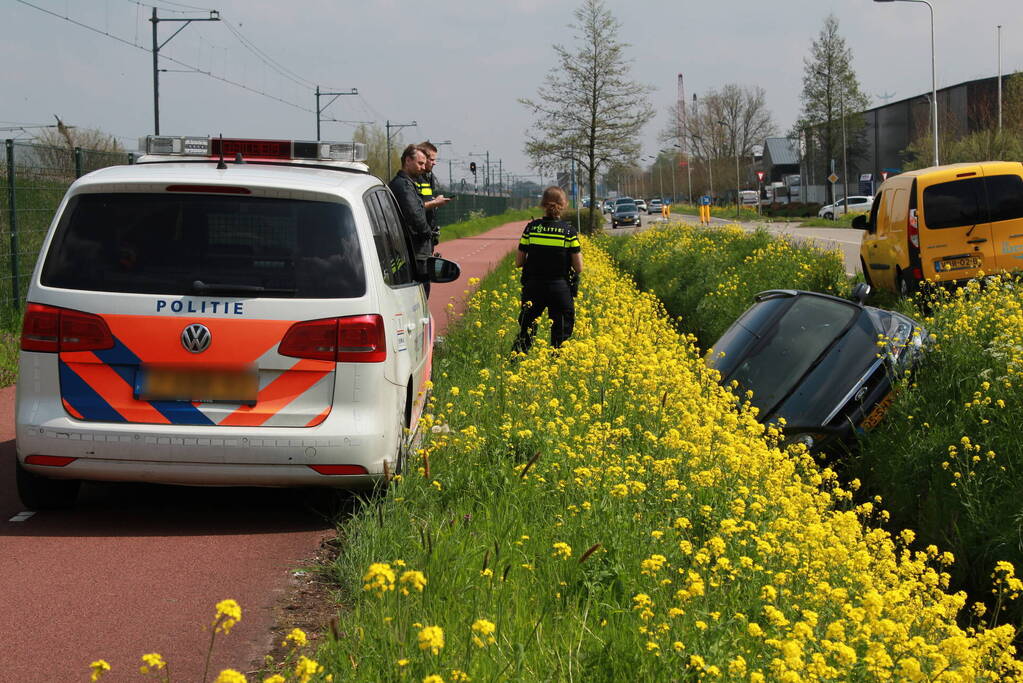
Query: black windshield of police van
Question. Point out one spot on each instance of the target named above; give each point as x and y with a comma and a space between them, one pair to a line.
165, 243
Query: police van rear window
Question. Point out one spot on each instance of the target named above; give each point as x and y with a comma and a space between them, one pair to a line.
206, 245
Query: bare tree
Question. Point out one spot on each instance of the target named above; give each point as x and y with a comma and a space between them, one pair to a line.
589, 111
830, 91
722, 125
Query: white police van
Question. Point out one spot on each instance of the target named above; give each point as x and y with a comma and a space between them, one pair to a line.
223, 312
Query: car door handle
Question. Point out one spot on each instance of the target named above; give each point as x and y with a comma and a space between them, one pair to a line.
976, 240
1018, 234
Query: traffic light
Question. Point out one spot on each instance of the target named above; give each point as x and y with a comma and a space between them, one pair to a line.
472, 167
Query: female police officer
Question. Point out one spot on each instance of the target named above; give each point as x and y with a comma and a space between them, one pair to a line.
550, 258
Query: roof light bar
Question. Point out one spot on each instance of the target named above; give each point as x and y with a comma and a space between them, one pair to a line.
249, 148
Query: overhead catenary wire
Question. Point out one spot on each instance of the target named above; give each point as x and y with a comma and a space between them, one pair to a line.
266, 60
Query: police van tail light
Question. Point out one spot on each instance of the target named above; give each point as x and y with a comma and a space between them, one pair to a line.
351, 339
913, 229
52, 330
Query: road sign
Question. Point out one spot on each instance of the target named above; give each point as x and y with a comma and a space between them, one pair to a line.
832, 178
760, 176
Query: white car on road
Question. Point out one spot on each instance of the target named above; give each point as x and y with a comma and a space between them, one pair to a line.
857, 204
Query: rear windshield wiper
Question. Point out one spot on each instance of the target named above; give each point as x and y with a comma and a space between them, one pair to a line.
200, 287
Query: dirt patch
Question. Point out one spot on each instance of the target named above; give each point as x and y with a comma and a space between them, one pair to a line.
310, 602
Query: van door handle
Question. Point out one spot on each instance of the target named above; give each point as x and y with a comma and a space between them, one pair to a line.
976, 240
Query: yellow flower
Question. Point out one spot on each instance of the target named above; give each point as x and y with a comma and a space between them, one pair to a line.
296, 637
228, 614
276, 678
483, 632
412, 579
230, 676
152, 661
99, 667
306, 668
402, 663
431, 638
433, 678
562, 550
379, 578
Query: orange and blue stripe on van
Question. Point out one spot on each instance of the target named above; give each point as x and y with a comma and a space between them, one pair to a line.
104, 385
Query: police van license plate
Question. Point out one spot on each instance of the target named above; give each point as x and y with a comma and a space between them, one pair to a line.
201, 386
961, 263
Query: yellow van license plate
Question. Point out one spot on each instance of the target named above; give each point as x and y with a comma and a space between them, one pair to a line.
963, 263
203, 386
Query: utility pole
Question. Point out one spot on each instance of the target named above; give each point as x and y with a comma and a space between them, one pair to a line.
319, 109
999, 78
397, 127
214, 16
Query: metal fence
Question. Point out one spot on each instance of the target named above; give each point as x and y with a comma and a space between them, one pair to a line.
35, 178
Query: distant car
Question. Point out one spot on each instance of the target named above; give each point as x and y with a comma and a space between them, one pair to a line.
814, 361
654, 206
626, 213
641, 204
749, 197
609, 205
857, 204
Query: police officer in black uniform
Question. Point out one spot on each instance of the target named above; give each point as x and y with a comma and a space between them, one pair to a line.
426, 184
551, 260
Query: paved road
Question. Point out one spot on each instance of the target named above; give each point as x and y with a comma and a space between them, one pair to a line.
138, 568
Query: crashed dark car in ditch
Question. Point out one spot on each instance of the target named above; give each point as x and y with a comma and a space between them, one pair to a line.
825, 365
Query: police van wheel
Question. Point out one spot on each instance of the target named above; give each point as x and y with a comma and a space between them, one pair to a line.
43, 493
404, 437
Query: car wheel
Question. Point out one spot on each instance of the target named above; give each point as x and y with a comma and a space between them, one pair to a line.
404, 437
43, 493
639, 224
613, 225
907, 285
830, 216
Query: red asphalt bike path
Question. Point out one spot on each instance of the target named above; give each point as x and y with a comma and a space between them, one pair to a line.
134, 568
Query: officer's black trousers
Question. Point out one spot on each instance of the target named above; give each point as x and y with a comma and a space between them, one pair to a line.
556, 298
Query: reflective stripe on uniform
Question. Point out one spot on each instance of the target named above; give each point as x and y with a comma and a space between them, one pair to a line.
424, 189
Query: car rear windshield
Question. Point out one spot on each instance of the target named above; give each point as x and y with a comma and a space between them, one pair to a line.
203, 244
624, 208
769, 357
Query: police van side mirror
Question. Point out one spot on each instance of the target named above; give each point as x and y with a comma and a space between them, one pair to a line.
441, 270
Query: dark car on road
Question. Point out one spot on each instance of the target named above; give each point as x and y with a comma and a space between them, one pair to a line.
625, 213
825, 365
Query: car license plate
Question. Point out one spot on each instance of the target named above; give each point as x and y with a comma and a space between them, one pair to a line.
201, 386
875, 416
961, 263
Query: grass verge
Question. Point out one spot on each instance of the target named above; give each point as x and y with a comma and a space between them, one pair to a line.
475, 226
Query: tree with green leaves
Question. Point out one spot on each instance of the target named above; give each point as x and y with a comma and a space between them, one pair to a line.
589, 110
831, 92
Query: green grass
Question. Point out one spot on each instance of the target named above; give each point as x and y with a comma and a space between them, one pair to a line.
843, 221
475, 226
707, 277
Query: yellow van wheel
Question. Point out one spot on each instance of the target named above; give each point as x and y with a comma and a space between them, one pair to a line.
907, 285
866, 273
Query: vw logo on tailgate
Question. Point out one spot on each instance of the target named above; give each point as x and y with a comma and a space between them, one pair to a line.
196, 338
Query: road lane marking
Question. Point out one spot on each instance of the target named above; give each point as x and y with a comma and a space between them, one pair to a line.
21, 516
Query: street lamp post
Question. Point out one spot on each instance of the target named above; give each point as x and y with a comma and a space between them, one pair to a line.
670, 154
934, 82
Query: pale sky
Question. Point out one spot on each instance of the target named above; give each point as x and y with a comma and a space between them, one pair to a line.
455, 67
